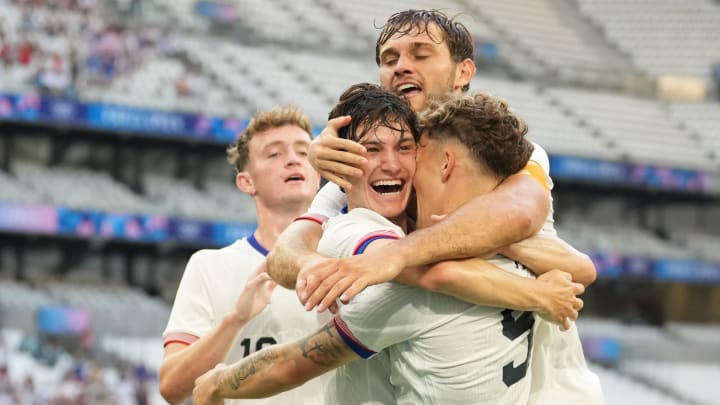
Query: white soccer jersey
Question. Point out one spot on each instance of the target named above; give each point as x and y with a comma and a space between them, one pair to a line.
440, 350
559, 372
209, 288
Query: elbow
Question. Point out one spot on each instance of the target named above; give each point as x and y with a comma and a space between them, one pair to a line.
587, 274
170, 393
273, 266
524, 222
170, 390
437, 278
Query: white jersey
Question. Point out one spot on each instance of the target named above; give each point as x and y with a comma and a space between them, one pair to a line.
209, 288
439, 350
559, 354
560, 374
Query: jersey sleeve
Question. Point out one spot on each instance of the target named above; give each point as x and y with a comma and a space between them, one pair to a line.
191, 315
329, 201
381, 316
352, 233
539, 167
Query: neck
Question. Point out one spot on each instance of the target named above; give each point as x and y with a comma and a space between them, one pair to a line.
465, 186
272, 221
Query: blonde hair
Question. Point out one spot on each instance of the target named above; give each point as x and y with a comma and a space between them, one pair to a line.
238, 154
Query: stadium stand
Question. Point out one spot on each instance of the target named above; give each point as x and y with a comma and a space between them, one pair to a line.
563, 66
677, 38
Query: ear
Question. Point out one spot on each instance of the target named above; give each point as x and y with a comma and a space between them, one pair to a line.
464, 73
244, 182
448, 165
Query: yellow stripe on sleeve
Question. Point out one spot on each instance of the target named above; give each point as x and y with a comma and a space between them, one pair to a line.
534, 169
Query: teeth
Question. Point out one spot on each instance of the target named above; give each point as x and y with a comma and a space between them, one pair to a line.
408, 86
387, 183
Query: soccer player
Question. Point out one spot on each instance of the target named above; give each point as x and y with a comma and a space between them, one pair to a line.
434, 348
215, 320
422, 54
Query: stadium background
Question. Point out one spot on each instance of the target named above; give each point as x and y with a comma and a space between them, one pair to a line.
114, 115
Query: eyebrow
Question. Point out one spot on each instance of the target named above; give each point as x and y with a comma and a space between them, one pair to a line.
278, 143
413, 46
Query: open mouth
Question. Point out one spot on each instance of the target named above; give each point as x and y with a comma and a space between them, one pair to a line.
294, 177
388, 186
408, 89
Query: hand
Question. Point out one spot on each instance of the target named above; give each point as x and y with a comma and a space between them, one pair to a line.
255, 296
205, 391
336, 158
329, 280
560, 303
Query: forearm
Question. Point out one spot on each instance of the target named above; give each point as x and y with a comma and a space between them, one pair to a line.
482, 283
283, 367
180, 368
294, 247
512, 212
543, 253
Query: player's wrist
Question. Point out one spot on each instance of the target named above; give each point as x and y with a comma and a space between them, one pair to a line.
235, 320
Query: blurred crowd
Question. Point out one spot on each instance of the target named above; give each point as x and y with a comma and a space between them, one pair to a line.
49, 375
59, 45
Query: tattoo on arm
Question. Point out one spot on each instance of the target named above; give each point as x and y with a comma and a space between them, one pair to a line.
246, 369
322, 348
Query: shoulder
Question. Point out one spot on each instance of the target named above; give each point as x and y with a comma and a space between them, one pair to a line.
239, 251
363, 219
540, 157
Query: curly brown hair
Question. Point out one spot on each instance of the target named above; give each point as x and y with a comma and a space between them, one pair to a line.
458, 37
238, 154
483, 123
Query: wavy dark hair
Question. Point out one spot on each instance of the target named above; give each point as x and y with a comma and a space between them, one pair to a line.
371, 107
458, 37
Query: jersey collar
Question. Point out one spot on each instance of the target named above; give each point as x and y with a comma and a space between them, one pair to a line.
256, 245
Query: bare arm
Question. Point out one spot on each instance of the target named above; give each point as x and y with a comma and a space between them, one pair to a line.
478, 281
544, 252
182, 364
275, 369
294, 248
512, 212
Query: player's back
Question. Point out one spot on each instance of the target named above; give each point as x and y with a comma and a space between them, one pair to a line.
459, 353
560, 373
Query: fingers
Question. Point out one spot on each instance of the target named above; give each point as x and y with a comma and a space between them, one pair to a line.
434, 219
578, 288
338, 122
257, 279
353, 290
337, 289
343, 150
337, 180
309, 281
565, 324
321, 292
338, 168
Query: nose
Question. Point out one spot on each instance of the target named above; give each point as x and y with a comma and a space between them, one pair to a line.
390, 162
403, 65
294, 158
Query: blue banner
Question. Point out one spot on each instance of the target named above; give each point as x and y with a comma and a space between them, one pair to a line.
43, 219
691, 271
654, 177
31, 107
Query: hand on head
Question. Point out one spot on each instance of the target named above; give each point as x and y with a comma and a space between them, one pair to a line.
336, 158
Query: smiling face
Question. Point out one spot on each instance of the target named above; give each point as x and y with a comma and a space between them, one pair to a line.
418, 65
387, 181
278, 172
